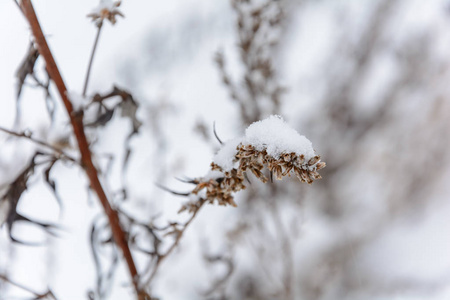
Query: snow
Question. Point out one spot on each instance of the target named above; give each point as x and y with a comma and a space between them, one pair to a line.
225, 158
277, 137
104, 5
77, 100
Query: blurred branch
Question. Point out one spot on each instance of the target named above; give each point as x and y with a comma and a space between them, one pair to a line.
287, 255
179, 234
28, 136
37, 295
17, 3
76, 120
100, 25
220, 282
258, 27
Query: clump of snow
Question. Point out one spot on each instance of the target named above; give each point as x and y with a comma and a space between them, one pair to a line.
277, 137
77, 100
273, 135
225, 158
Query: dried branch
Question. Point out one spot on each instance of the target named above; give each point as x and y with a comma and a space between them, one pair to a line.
91, 60
219, 283
28, 136
103, 280
179, 234
258, 92
86, 159
46, 295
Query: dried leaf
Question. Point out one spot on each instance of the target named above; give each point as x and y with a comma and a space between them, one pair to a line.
102, 119
13, 195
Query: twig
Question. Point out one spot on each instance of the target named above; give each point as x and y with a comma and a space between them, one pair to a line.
17, 3
287, 256
20, 286
220, 282
161, 257
39, 142
215, 133
88, 73
83, 145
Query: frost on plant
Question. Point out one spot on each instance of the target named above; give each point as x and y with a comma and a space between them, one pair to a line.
107, 9
270, 144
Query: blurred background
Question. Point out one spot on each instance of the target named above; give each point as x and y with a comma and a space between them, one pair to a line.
366, 81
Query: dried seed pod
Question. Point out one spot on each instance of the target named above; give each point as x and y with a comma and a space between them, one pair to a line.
304, 176
257, 165
313, 160
258, 174
286, 157
298, 173
287, 170
300, 160
231, 202
320, 165
314, 175
278, 172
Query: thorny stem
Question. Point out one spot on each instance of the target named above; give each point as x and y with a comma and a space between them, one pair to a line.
39, 142
76, 120
88, 73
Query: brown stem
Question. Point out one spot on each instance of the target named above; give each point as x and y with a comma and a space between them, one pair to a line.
76, 120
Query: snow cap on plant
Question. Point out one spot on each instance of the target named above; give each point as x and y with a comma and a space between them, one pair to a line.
78, 101
271, 144
107, 9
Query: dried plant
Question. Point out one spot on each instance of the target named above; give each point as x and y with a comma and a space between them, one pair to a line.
228, 172
258, 25
48, 295
117, 231
117, 234
106, 10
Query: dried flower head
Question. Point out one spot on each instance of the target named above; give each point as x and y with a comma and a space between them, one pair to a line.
107, 9
269, 144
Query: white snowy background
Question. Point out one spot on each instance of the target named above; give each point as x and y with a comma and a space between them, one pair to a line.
377, 226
